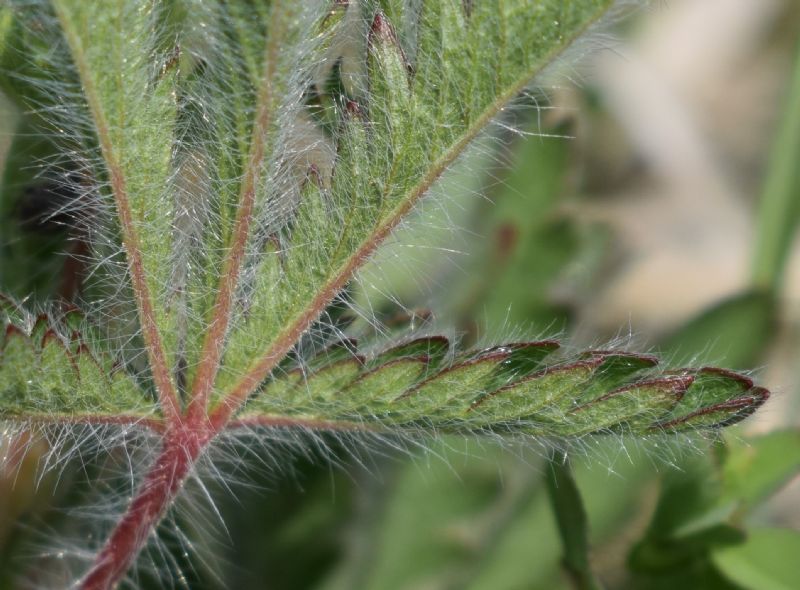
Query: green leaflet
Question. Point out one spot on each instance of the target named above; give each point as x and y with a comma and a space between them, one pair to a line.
767, 560
45, 378
423, 96
603, 391
705, 511
132, 102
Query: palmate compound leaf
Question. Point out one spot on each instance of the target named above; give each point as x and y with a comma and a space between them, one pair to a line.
506, 389
396, 93
256, 156
241, 161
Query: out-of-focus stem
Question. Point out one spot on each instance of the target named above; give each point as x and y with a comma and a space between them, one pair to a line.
573, 525
780, 199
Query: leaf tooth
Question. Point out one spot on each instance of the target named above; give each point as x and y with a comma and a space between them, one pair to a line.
389, 70
18, 362
277, 392
40, 325
720, 414
51, 336
374, 389
12, 333
712, 386
57, 384
675, 385
72, 317
616, 369
489, 358
744, 380
524, 358
336, 351
382, 34
450, 389
644, 359
540, 390
90, 369
326, 382
435, 348
636, 406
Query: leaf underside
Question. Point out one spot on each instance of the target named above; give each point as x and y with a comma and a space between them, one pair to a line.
225, 154
513, 388
420, 384
49, 373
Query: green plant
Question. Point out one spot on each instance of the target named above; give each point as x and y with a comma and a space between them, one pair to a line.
230, 166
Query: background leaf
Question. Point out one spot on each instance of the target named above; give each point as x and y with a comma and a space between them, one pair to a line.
765, 561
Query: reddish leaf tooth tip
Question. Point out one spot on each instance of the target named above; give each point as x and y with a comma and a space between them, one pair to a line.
382, 28
49, 335
492, 355
354, 109
83, 348
314, 176
761, 393
12, 329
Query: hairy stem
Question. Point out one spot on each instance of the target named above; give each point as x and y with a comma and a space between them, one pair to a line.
182, 447
215, 337
183, 444
155, 349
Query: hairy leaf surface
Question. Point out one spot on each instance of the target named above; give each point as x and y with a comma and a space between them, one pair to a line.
603, 392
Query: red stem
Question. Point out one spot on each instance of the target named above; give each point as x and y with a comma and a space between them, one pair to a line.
182, 447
